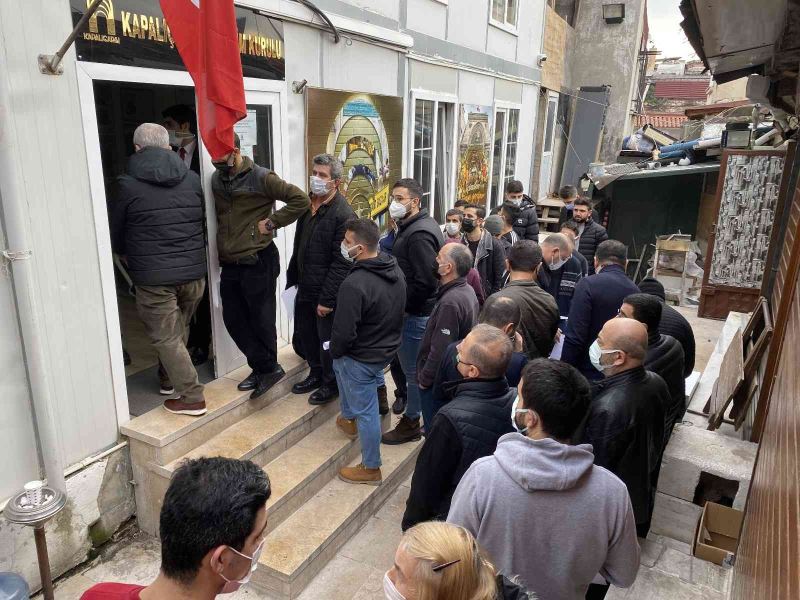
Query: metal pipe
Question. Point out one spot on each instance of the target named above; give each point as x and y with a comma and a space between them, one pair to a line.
59, 55
44, 562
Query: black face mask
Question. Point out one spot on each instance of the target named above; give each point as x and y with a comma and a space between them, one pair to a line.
468, 225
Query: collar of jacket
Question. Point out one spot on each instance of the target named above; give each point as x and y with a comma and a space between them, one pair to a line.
524, 283
634, 375
443, 289
653, 338
402, 224
612, 268
491, 387
247, 166
322, 205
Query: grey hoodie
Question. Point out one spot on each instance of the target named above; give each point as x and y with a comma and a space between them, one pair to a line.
546, 513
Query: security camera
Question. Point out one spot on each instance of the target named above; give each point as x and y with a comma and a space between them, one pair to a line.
540, 59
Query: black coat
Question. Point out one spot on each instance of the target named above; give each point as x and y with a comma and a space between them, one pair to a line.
416, 245
317, 266
625, 427
665, 358
368, 320
526, 225
158, 219
463, 431
490, 262
675, 324
593, 235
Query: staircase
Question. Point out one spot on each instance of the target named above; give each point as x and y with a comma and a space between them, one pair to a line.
311, 513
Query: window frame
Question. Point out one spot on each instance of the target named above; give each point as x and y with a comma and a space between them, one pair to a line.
437, 98
501, 106
505, 25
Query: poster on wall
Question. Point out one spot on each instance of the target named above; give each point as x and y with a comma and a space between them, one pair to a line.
365, 132
474, 151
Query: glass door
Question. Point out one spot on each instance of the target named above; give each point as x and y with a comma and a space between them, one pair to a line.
546, 163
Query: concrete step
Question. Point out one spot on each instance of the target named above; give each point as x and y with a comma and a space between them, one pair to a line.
160, 437
297, 549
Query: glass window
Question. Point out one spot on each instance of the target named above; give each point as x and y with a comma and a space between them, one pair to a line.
505, 12
261, 150
498, 10
423, 146
497, 157
552, 107
511, 146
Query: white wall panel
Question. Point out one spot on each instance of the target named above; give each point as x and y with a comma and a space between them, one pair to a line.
467, 23
435, 78
428, 17
501, 44
527, 126
474, 88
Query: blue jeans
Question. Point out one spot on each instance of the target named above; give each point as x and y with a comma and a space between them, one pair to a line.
358, 393
428, 408
413, 330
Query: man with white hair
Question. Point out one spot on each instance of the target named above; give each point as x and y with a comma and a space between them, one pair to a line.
157, 229
560, 273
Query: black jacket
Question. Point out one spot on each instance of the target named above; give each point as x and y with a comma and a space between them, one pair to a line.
675, 324
539, 321
593, 234
453, 317
665, 358
157, 219
368, 320
526, 225
463, 431
317, 266
625, 427
490, 262
597, 299
416, 245
560, 284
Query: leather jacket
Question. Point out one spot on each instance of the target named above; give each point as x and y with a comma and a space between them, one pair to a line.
665, 358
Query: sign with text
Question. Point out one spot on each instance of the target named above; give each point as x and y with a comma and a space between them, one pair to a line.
135, 33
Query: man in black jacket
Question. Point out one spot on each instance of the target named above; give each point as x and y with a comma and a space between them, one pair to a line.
672, 322
625, 424
157, 227
366, 335
590, 233
416, 246
560, 272
317, 268
570, 230
466, 428
664, 354
487, 251
526, 221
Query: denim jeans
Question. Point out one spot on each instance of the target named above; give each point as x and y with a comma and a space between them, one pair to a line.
428, 409
358, 393
413, 330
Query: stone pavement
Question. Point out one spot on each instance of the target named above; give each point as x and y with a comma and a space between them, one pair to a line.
356, 573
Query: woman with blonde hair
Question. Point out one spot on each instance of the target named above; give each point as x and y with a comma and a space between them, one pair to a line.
440, 561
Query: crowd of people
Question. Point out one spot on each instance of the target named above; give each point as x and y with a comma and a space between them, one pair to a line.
545, 382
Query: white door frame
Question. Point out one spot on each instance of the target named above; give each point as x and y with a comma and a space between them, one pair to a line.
546, 177
256, 91
503, 107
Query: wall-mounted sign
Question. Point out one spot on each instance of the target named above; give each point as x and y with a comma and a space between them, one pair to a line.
365, 132
474, 149
135, 33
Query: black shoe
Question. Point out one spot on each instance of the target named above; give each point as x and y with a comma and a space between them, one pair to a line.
399, 405
126, 358
325, 394
198, 356
266, 381
249, 383
383, 401
308, 384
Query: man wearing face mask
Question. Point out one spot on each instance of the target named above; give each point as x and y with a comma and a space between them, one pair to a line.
366, 335
245, 196
212, 528
452, 225
562, 274
466, 428
526, 221
415, 248
487, 251
317, 268
625, 425
597, 299
539, 473
181, 124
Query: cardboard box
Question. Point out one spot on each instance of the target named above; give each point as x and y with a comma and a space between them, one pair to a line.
717, 535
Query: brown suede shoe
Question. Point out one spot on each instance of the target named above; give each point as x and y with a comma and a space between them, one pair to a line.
347, 427
383, 401
361, 474
406, 431
179, 407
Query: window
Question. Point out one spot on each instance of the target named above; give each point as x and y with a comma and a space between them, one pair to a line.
504, 152
504, 12
433, 154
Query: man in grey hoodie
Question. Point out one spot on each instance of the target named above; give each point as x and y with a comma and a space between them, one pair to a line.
540, 506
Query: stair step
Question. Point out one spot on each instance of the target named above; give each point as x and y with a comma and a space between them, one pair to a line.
297, 549
160, 437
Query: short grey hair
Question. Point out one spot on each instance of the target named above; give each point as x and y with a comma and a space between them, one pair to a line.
151, 134
460, 257
329, 160
560, 241
491, 350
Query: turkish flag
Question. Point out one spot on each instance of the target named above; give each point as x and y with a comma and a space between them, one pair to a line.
208, 41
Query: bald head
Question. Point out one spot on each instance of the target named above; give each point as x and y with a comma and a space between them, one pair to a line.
627, 336
557, 240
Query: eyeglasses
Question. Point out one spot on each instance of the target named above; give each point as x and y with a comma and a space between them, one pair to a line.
458, 360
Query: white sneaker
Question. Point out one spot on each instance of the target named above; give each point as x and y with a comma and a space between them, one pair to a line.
166, 391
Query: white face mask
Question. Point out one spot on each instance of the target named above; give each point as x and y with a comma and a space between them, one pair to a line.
516, 202
452, 228
555, 265
318, 186
346, 252
389, 590
595, 353
514, 412
179, 138
397, 210
231, 585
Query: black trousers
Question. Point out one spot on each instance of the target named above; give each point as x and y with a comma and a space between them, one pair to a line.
249, 308
312, 331
200, 327
399, 377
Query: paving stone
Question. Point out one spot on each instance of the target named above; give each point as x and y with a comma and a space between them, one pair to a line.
376, 543
651, 551
675, 518
341, 579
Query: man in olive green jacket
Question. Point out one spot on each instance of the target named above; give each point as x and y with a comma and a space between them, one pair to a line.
245, 195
